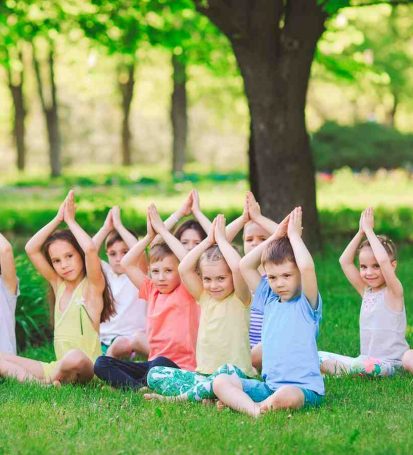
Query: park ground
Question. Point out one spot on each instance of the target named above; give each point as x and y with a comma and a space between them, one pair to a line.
358, 416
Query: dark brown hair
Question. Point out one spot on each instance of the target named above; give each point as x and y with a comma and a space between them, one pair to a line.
67, 236
190, 224
114, 237
278, 251
159, 251
387, 243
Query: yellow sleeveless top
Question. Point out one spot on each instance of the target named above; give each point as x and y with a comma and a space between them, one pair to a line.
73, 327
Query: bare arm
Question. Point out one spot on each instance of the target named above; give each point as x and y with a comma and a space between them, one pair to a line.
256, 216
104, 231
347, 260
174, 244
198, 214
93, 266
8, 268
127, 237
303, 258
34, 248
130, 260
173, 219
249, 263
392, 282
233, 259
233, 228
188, 266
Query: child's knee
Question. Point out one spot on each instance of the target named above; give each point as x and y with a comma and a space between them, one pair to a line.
221, 381
289, 397
122, 346
75, 360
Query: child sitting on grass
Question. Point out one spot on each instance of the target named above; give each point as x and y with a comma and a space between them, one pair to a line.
8, 297
291, 304
172, 316
69, 261
382, 314
211, 274
123, 334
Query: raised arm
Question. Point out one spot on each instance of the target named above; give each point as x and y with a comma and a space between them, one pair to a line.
233, 259
188, 266
256, 216
347, 260
93, 266
127, 237
303, 257
198, 214
250, 262
34, 248
235, 226
387, 269
131, 259
8, 268
104, 231
174, 244
175, 217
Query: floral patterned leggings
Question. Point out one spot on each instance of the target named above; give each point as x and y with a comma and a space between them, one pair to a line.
187, 385
362, 365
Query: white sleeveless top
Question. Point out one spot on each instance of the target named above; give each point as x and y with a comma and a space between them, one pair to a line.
382, 330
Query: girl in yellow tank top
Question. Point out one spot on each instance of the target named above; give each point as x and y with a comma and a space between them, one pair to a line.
69, 261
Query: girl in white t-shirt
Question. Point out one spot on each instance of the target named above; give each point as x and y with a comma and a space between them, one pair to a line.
8, 297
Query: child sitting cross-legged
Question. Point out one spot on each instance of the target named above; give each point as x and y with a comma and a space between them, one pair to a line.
172, 316
291, 304
211, 274
123, 335
383, 345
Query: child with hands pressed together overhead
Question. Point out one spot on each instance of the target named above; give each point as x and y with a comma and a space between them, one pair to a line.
9, 290
211, 274
291, 304
382, 314
69, 261
124, 334
172, 315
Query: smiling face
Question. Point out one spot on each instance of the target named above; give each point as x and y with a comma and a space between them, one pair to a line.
66, 260
190, 238
370, 271
216, 279
254, 234
164, 274
284, 279
115, 253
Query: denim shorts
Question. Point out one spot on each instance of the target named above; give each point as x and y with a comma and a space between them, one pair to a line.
258, 391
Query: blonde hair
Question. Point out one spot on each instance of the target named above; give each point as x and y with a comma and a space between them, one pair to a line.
387, 243
212, 254
159, 252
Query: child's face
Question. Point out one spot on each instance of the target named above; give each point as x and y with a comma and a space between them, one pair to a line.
217, 279
66, 260
370, 270
115, 254
284, 279
164, 274
254, 234
190, 238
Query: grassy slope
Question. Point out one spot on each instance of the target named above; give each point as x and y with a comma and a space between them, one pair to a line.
359, 415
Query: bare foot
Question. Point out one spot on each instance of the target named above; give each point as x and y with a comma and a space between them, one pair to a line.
220, 405
208, 401
143, 389
154, 396
57, 384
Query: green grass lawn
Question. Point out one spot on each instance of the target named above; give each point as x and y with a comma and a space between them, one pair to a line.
358, 416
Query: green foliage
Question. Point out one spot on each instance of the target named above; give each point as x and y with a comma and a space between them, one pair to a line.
365, 145
32, 312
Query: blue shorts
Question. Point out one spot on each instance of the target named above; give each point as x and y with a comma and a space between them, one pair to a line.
258, 391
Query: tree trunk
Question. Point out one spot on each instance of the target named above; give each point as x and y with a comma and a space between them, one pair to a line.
50, 109
274, 44
179, 116
15, 83
126, 85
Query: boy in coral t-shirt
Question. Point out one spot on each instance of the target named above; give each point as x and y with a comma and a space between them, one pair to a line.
172, 317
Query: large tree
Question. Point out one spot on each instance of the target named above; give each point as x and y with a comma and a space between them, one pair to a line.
274, 43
